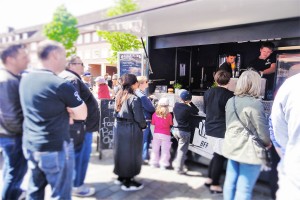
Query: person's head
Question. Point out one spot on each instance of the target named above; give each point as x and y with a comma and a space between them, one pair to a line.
52, 55
129, 84
100, 80
86, 76
249, 84
115, 80
266, 49
75, 64
106, 76
162, 108
15, 58
143, 82
230, 57
222, 77
185, 96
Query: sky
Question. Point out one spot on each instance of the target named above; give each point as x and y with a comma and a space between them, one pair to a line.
24, 13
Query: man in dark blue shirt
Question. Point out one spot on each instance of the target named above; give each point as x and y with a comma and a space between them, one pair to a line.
49, 104
15, 60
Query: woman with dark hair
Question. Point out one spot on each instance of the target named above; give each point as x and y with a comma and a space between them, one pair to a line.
128, 135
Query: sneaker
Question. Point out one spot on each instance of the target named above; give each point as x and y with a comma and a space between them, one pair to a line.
163, 167
119, 181
154, 165
83, 191
132, 186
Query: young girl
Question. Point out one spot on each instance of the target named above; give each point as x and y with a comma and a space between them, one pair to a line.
162, 120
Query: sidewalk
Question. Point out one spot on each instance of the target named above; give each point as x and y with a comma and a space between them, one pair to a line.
158, 184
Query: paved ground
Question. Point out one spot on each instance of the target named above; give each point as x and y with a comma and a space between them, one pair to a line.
159, 184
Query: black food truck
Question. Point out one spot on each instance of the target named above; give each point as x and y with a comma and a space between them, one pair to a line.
186, 42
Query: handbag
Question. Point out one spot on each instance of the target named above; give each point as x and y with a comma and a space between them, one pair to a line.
264, 153
77, 133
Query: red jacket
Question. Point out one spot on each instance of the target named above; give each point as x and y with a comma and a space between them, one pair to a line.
103, 91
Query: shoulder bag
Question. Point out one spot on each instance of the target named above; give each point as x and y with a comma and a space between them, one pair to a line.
265, 153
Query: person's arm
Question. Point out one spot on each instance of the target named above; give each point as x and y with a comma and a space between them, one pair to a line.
79, 112
194, 109
138, 113
270, 70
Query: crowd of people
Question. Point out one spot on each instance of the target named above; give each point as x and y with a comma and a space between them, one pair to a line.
48, 116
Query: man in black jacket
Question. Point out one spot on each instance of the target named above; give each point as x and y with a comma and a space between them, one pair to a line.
75, 68
15, 60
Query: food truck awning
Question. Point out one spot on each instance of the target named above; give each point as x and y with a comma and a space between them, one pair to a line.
194, 15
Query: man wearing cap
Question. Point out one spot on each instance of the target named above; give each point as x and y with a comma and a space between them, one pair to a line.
84, 148
183, 112
86, 79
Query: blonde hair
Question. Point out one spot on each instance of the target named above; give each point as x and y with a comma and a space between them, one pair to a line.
162, 111
142, 79
249, 84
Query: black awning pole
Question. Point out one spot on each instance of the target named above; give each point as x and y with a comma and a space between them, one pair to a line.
147, 58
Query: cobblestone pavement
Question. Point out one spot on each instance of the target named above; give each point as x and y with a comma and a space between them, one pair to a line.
158, 184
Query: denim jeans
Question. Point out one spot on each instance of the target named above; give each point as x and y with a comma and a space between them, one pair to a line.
82, 158
146, 141
183, 138
54, 168
240, 180
14, 166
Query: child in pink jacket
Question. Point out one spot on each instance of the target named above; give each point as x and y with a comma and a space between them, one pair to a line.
162, 120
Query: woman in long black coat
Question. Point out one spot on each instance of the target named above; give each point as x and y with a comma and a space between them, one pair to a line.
128, 135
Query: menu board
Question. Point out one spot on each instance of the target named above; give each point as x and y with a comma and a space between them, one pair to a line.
130, 63
106, 123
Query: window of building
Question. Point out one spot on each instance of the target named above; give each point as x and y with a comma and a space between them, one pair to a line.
79, 39
87, 38
95, 37
24, 36
104, 53
17, 37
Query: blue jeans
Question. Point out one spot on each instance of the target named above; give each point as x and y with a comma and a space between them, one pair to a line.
240, 180
146, 141
54, 168
14, 166
82, 158
183, 138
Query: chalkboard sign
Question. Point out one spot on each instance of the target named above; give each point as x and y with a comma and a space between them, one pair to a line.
130, 63
106, 123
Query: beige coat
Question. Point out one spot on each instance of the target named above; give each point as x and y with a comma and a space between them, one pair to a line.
236, 145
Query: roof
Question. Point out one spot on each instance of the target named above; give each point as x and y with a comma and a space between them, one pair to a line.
192, 15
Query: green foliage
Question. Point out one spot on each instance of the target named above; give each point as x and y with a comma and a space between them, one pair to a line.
63, 29
120, 42
122, 7
177, 85
214, 85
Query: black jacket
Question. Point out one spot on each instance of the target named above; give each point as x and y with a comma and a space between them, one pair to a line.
183, 115
92, 121
215, 100
11, 116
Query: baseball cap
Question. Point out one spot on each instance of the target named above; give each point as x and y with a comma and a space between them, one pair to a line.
100, 79
163, 102
86, 74
185, 95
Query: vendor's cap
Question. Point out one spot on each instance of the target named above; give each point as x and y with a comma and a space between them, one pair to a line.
88, 74
100, 79
163, 102
185, 95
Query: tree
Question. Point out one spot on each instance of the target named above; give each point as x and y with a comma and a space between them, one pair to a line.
121, 41
122, 7
63, 29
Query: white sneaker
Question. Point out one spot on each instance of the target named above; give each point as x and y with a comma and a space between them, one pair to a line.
83, 191
132, 185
